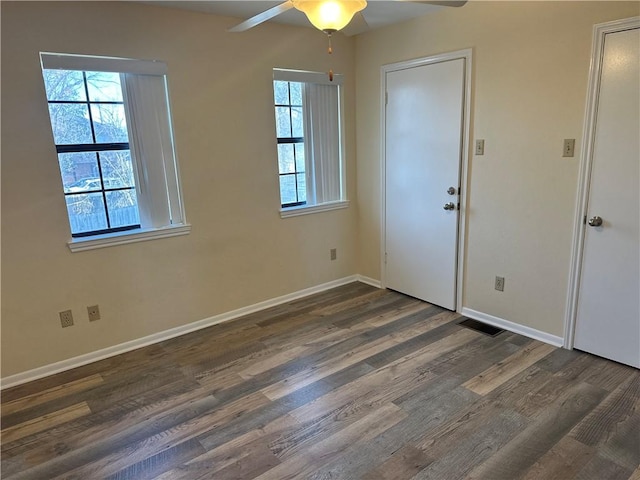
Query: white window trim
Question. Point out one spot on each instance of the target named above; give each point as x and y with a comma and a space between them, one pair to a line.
321, 79
308, 209
69, 61
303, 76
81, 244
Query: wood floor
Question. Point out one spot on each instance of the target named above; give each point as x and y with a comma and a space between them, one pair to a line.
353, 383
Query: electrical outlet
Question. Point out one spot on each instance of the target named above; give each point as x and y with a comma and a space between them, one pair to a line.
66, 318
568, 147
499, 284
333, 253
479, 147
94, 313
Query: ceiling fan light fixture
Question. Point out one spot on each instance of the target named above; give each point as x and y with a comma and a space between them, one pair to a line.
329, 15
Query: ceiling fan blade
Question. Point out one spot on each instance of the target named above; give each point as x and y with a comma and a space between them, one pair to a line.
356, 26
442, 3
262, 17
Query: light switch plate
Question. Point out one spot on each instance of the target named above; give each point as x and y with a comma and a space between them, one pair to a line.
479, 147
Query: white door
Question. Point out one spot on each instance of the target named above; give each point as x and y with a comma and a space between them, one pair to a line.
608, 315
423, 143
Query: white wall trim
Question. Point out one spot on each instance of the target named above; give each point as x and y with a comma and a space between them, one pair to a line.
513, 327
57, 367
308, 209
584, 174
64, 365
467, 55
129, 236
369, 281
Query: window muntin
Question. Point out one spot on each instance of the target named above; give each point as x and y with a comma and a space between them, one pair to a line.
308, 111
89, 126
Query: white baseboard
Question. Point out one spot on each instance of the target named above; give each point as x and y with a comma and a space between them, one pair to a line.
369, 281
513, 327
45, 371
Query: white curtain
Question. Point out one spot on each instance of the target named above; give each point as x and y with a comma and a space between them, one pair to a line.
159, 198
322, 142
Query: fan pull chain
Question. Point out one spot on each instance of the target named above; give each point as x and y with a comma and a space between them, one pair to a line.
330, 51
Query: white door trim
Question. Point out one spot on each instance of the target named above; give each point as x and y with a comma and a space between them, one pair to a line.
467, 55
586, 162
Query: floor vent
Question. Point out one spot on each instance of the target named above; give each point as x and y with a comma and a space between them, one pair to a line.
481, 327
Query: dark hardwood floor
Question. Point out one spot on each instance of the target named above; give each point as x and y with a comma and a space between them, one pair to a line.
353, 383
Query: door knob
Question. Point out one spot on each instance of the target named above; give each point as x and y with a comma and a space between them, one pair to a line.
449, 206
451, 191
595, 221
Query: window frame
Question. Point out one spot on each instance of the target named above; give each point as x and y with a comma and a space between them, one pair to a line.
97, 148
146, 156
311, 205
293, 140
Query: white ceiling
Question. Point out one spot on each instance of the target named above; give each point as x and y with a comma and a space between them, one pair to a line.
378, 13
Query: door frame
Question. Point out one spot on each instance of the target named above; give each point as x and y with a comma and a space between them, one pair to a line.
586, 164
467, 55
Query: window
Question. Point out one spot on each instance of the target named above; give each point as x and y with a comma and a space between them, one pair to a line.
111, 128
289, 133
309, 136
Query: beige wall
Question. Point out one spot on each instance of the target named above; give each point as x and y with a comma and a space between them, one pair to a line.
531, 64
239, 252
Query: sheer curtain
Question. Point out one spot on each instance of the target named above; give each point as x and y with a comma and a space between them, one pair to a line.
322, 119
152, 150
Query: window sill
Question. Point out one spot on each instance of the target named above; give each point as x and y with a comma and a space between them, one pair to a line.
121, 238
309, 209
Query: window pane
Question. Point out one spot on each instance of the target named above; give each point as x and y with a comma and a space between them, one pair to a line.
109, 123
287, 189
104, 87
70, 123
64, 85
300, 164
117, 169
123, 208
296, 120
283, 122
77, 170
86, 212
302, 187
296, 93
281, 92
286, 162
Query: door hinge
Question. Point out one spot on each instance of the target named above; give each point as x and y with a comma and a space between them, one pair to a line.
386, 98
385, 258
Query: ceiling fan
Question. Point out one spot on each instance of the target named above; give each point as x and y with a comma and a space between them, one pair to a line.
329, 16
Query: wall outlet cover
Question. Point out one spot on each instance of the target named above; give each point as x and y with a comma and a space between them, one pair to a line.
66, 318
568, 147
93, 313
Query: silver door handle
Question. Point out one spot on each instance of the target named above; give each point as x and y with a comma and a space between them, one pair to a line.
449, 206
595, 221
451, 191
